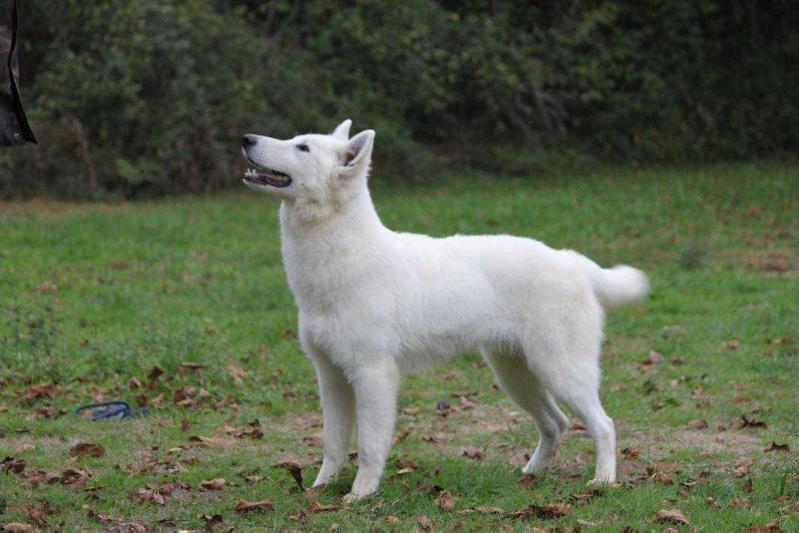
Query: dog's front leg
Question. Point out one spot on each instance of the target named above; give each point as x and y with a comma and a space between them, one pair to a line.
376, 389
338, 412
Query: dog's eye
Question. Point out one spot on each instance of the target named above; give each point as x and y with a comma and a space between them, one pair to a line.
303, 148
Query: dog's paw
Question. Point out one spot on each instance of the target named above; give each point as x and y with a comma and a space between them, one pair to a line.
602, 481
350, 498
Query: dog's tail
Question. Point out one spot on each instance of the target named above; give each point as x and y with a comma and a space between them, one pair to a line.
614, 287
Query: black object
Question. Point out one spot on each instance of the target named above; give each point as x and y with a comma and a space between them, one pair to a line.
14, 127
112, 410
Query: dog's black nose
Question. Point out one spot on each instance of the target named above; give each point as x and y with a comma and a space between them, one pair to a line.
249, 140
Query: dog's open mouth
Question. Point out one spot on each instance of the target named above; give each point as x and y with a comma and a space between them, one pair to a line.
267, 176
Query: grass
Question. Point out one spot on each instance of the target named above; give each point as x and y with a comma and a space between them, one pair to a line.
92, 297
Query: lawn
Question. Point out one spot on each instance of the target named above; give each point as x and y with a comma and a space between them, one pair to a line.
182, 304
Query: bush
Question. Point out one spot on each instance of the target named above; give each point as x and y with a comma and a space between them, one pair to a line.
127, 97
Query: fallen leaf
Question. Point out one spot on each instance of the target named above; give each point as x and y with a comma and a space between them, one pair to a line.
742, 465
547, 511
473, 453
85, 449
312, 440
238, 374
317, 507
588, 523
211, 520
673, 515
391, 519
732, 345
212, 484
148, 494
630, 453
697, 423
10, 464
155, 372
17, 526
425, 522
264, 506
488, 510
528, 480
445, 500
102, 517
410, 411
577, 425
74, 476
401, 435
37, 517
290, 463
745, 422
771, 527
738, 502
774, 447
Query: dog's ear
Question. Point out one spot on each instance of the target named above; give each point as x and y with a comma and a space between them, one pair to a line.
358, 152
342, 131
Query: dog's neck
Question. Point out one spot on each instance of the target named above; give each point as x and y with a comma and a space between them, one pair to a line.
354, 221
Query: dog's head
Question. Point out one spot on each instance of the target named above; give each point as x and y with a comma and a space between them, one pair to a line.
315, 170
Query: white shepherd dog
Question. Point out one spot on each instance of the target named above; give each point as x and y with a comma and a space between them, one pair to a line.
375, 304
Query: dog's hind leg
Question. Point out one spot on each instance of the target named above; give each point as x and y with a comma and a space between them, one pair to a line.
574, 379
338, 412
518, 382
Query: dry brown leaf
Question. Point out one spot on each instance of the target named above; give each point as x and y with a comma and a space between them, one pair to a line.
424, 522
488, 510
742, 465
774, 447
155, 372
37, 517
238, 374
732, 345
745, 422
85, 449
473, 453
771, 527
547, 511
738, 502
317, 507
410, 411
212, 520
391, 519
697, 423
102, 517
630, 453
401, 435
17, 526
212, 484
74, 476
264, 506
445, 500
672, 515
292, 464
312, 440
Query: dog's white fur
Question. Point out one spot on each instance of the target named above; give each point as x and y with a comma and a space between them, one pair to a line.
375, 304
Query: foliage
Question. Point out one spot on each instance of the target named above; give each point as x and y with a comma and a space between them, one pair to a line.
154, 95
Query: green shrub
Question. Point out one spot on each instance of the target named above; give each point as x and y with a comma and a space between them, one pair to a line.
152, 96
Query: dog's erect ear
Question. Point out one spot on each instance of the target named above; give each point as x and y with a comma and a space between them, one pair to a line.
358, 152
342, 131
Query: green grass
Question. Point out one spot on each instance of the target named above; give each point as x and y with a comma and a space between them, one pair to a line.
92, 296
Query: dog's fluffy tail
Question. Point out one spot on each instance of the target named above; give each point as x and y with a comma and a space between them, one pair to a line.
614, 287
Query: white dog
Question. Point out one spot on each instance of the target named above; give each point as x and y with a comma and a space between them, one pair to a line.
375, 304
